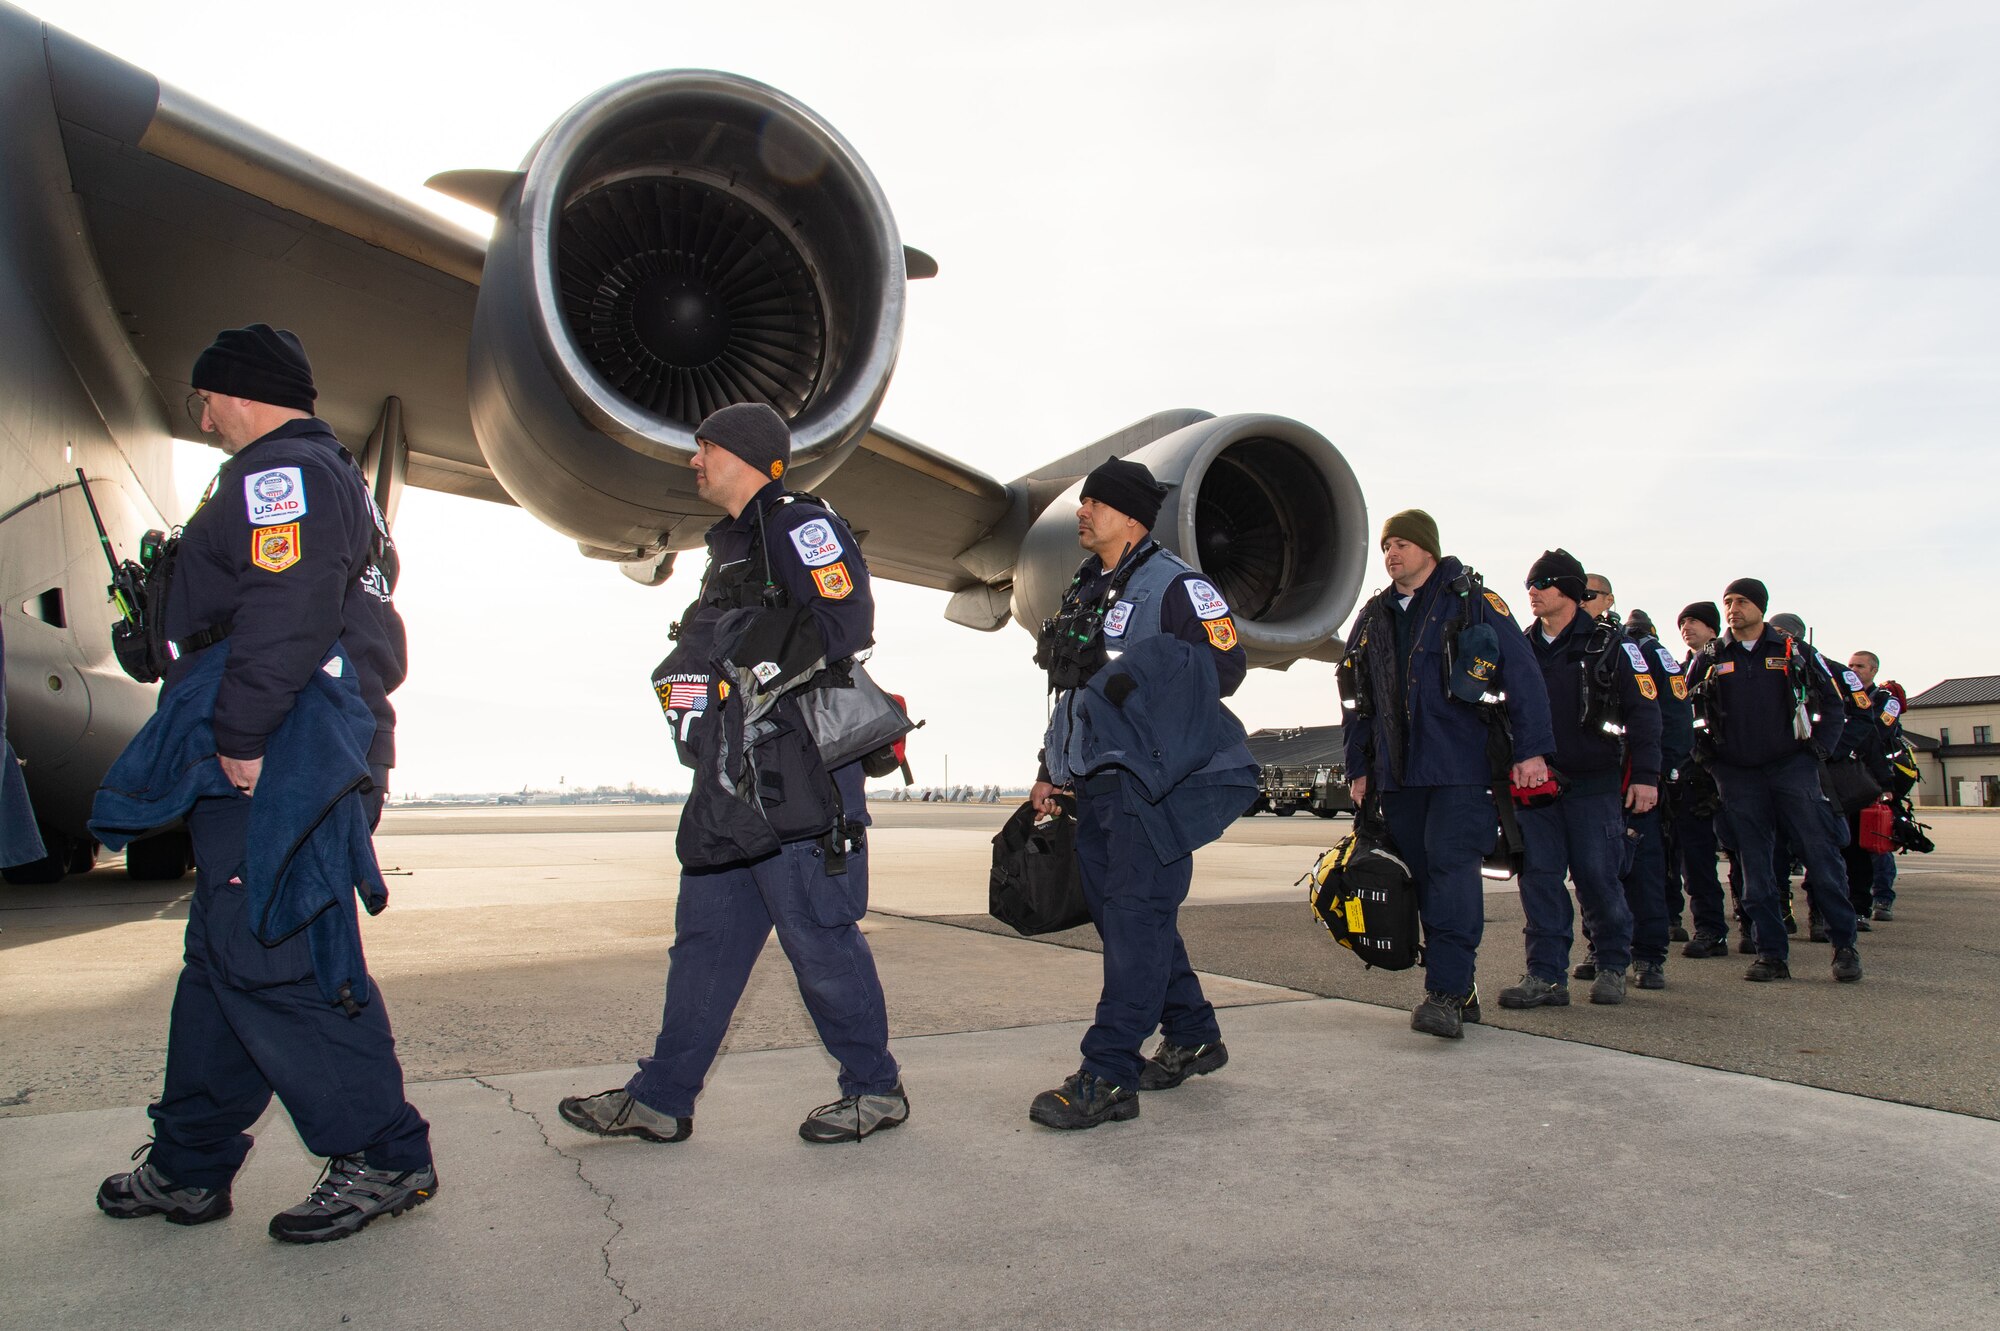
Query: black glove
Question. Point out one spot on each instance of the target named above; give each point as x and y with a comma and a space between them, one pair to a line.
1118, 688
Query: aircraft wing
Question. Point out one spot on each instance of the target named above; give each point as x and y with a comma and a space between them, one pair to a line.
916, 509
201, 221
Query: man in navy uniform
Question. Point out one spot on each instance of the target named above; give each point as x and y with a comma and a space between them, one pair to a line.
286, 555
788, 570
1428, 754
1132, 601
1773, 715
1694, 806
1606, 718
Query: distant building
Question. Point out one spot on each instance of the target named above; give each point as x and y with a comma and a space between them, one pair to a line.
1953, 725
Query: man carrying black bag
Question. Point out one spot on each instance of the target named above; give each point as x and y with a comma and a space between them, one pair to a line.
1427, 750
768, 838
1159, 768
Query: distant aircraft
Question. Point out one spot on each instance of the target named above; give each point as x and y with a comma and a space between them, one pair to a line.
675, 242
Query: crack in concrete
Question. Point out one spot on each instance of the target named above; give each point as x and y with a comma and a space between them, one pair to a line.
618, 1226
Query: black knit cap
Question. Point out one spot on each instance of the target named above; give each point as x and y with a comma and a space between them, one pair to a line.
261, 363
1752, 591
1641, 623
753, 432
1564, 568
1706, 612
1127, 487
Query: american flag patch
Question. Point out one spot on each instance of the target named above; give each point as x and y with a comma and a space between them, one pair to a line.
691, 696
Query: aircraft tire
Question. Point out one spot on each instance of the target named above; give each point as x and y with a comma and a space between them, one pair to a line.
51, 868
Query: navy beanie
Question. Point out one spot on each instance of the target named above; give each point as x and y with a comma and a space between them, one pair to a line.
261, 363
1704, 612
1127, 487
752, 431
1750, 590
1564, 569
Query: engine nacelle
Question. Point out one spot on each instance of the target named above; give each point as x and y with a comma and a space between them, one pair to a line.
675, 243
1264, 506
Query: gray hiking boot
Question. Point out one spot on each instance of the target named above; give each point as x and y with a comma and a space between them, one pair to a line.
146, 1191
1171, 1064
616, 1114
1533, 991
853, 1117
348, 1196
1609, 987
1442, 1015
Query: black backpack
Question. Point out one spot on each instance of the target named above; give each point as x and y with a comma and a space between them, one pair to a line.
1363, 893
1037, 886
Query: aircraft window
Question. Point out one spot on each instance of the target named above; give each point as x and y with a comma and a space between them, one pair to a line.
48, 607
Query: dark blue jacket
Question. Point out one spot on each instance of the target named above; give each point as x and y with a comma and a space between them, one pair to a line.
1419, 734
1188, 773
309, 848
1591, 759
1751, 706
283, 550
1676, 712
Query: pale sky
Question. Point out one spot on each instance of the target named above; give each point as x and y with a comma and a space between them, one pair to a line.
1695, 290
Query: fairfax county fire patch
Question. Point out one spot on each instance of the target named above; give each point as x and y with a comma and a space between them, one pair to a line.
816, 543
1115, 622
274, 496
1679, 685
833, 583
1221, 633
1499, 606
1208, 603
1648, 689
1638, 657
275, 548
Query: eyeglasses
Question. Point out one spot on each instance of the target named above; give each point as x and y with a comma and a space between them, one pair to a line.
197, 407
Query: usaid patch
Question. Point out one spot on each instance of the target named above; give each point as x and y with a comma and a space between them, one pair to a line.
1208, 602
275, 496
1115, 622
1667, 660
816, 542
1853, 681
1638, 658
1891, 710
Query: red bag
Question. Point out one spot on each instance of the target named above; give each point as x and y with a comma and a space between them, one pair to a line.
1877, 823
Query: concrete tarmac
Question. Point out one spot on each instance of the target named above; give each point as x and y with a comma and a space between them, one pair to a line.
1340, 1171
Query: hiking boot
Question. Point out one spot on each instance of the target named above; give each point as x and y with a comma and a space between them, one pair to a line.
853, 1117
1703, 945
1883, 913
1084, 1101
1442, 1015
1171, 1064
1533, 991
1846, 965
617, 1114
1469, 1013
1676, 934
1767, 968
1861, 925
146, 1191
1649, 974
1610, 987
1585, 969
348, 1196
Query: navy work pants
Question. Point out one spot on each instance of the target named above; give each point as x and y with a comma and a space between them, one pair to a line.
1771, 804
1442, 833
1646, 889
1884, 878
250, 1021
1694, 847
1583, 837
1135, 902
721, 922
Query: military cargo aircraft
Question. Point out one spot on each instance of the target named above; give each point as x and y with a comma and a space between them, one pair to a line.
677, 241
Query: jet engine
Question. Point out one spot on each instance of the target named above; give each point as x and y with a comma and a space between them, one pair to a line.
675, 243
1263, 506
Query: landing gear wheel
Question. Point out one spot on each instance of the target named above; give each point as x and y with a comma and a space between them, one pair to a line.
160, 859
66, 855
